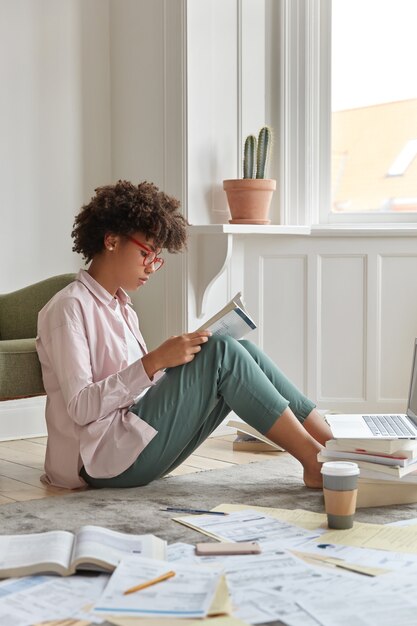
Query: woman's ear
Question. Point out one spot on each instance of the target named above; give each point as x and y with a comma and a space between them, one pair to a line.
110, 241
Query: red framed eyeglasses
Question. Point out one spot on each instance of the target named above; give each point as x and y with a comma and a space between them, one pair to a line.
150, 257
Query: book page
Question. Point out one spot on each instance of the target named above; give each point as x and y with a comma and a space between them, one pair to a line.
236, 301
235, 323
224, 322
104, 548
366, 456
38, 552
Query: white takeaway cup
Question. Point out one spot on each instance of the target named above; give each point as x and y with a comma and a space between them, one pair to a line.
340, 490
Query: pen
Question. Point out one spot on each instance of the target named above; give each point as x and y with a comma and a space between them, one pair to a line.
148, 583
193, 511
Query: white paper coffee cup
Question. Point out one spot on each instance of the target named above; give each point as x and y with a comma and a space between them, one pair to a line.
340, 489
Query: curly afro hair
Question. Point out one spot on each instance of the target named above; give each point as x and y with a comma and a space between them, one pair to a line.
123, 209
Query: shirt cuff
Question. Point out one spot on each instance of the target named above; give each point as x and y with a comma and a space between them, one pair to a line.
135, 379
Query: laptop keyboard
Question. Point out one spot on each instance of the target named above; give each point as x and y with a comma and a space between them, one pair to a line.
388, 425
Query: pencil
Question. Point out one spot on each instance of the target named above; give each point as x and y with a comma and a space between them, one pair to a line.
193, 511
149, 583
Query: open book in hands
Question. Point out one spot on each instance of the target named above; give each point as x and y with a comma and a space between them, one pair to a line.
233, 319
61, 552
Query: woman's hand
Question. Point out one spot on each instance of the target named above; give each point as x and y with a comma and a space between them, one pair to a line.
174, 351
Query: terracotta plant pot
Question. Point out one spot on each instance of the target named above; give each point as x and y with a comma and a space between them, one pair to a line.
249, 199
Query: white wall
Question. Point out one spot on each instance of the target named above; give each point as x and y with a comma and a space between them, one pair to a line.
94, 93
137, 117
225, 97
54, 129
137, 89
147, 68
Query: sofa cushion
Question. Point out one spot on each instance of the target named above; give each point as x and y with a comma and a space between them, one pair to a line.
20, 370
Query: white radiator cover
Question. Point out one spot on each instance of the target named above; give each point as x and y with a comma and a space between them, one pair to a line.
338, 314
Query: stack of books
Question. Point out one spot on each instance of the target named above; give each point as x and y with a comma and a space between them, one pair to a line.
388, 468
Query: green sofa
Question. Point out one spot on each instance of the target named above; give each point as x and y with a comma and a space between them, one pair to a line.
20, 370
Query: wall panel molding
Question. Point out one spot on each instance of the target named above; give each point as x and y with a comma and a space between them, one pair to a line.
396, 323
341, 327
359, 321
282, 312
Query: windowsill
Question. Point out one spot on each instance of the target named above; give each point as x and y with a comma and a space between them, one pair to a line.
316, 230
252, 229
365, 230
215, 244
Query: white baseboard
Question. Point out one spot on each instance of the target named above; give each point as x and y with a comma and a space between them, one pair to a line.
20, 419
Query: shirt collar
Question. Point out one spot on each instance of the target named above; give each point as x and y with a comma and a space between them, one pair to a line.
100, 293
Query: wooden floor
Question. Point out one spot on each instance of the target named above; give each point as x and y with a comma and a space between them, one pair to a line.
21, 465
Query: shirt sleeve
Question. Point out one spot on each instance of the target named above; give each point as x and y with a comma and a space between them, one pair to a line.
68, 353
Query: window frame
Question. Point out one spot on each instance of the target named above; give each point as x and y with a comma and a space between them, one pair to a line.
305, 120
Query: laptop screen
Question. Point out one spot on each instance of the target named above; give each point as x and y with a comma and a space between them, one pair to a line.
412, 399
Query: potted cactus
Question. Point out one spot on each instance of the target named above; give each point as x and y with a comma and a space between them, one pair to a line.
249, 198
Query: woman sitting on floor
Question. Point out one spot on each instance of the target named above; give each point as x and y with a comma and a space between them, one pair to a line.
120, 416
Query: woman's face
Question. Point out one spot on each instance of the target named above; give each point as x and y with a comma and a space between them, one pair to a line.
133, 260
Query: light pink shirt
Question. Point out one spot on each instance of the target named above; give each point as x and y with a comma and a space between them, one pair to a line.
90, 386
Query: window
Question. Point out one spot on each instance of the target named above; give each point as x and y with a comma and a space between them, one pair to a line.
348, 111
404, 159
374, 106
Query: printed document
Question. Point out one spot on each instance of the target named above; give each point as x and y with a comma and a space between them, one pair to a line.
263, 587
300, 517
265, 606
189, 593
384, 560
366, 607
34, 599
248, 526
378, 536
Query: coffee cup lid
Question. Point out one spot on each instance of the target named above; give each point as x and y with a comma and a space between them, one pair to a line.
340, 468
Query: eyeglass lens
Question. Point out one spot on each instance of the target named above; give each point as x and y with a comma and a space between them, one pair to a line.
152, 259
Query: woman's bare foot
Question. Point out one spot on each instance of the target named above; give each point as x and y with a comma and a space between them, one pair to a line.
316, 425
290, 434
313, 479
312, 476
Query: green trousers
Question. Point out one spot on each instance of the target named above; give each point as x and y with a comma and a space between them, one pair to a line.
191, 400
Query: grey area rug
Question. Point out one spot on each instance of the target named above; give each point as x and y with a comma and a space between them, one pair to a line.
272, 483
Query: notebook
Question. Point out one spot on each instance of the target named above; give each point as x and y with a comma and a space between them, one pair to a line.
380, 426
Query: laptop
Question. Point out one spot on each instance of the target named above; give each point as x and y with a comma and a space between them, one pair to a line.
380, 426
